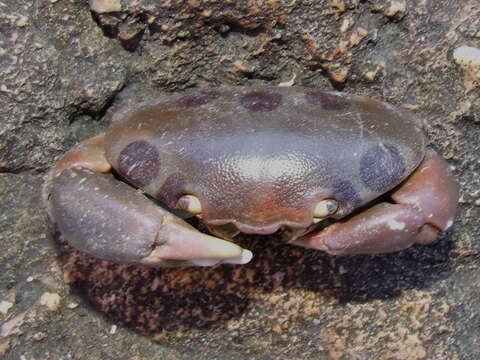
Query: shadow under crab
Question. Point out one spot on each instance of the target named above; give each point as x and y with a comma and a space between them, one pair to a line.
282, 281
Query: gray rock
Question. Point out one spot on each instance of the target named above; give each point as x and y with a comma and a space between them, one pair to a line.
64, 69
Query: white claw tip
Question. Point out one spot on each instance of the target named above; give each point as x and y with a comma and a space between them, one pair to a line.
449, 224
244, 258
204, 262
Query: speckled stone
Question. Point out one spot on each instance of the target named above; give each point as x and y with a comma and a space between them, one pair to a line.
289, 303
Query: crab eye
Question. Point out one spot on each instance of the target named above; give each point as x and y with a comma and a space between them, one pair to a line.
190, 204
325, 208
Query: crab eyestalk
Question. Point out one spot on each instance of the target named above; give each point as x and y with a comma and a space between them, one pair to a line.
190, 204
324, 209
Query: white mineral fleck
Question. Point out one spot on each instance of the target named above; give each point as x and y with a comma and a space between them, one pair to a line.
105, 6
5, 306
467, 55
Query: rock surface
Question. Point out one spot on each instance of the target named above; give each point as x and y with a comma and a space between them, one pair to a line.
65, 68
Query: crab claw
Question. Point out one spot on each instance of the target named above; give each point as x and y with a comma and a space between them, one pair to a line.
110, 220
426, 205
380, 229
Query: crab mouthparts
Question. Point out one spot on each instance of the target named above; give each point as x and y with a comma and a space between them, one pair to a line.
259, 221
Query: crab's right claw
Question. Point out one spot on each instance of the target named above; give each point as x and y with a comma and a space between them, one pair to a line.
426, 204
110, 220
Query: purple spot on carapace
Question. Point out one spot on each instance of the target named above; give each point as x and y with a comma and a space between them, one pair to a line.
346, 195
326, 100
172, 189
139, 163
382, 167
261, 100
198, 99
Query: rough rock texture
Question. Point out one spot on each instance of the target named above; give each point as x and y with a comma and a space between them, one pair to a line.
65, 69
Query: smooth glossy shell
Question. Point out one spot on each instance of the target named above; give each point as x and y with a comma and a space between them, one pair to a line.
261, 158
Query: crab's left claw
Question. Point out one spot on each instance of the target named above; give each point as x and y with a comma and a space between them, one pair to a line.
110, 220
426, 205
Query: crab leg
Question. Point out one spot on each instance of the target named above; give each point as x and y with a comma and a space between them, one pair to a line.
431, 190
111, 220
426, 205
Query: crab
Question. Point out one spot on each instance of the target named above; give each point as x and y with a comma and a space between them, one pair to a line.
330, 171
